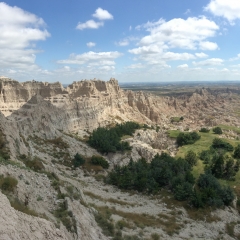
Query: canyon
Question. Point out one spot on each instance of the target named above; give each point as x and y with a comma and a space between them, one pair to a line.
34, 114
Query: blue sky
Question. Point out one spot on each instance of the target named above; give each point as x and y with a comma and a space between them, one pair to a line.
187, 40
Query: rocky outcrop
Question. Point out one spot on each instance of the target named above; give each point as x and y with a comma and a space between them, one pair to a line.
15, 225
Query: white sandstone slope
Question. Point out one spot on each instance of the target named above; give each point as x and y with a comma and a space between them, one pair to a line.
15, 225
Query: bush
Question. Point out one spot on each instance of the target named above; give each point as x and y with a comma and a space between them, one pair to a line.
219, 143
204, 130
35, 164
236, 153
8, 183
217, 130
78, 160
187, 138
98, 160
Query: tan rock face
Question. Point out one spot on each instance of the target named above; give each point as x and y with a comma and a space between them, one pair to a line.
85, 105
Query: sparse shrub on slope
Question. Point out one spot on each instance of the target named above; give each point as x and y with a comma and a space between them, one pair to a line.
78, 160
98, 160
8, 183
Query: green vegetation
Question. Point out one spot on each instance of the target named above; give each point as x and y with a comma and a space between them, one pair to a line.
218, 143
98, 160
8, 184
109, 140
4, 151
66, 217
191, 158
236, 153
187, 138
217, 130
35, 164
174, 174
204, 130
78, 160
176, 119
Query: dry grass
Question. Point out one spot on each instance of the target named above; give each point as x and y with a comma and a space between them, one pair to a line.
168, 223
110, 200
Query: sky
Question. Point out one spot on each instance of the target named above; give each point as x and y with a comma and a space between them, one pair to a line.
132, 41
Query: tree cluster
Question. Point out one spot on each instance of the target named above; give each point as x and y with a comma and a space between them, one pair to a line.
109, 140
187, 138
163, 171
175, 174
218, 162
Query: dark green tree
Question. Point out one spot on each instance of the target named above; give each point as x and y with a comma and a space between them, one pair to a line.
191, 158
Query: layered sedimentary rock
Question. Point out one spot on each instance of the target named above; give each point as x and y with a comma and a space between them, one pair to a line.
87, 104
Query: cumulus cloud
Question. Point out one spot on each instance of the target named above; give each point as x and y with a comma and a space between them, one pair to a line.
229, 9
235, 58
189, 34
102, 14
92, 58
182, 66
136, 66
209, 62
206, 45
89, 24
18, 31
91, 44
201, 55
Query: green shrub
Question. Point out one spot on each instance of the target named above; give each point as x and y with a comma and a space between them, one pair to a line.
8, 183
204, 130
98, 160
78, 160
217, 130
187, 138
219, 143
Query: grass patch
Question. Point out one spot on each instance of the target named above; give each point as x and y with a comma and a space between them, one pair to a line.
173, 133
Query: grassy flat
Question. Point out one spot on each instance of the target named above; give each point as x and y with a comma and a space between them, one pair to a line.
203, 144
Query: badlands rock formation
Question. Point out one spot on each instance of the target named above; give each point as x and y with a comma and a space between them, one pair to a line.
32, 114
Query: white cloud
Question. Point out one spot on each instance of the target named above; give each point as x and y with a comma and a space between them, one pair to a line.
206, 45
235, 58
122, 43
229, 9
136, 66
91, 44
191, 33
201, 55
19, 30
89, 24
92, 58
182, 66
180, 33
209, 62
102, 14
